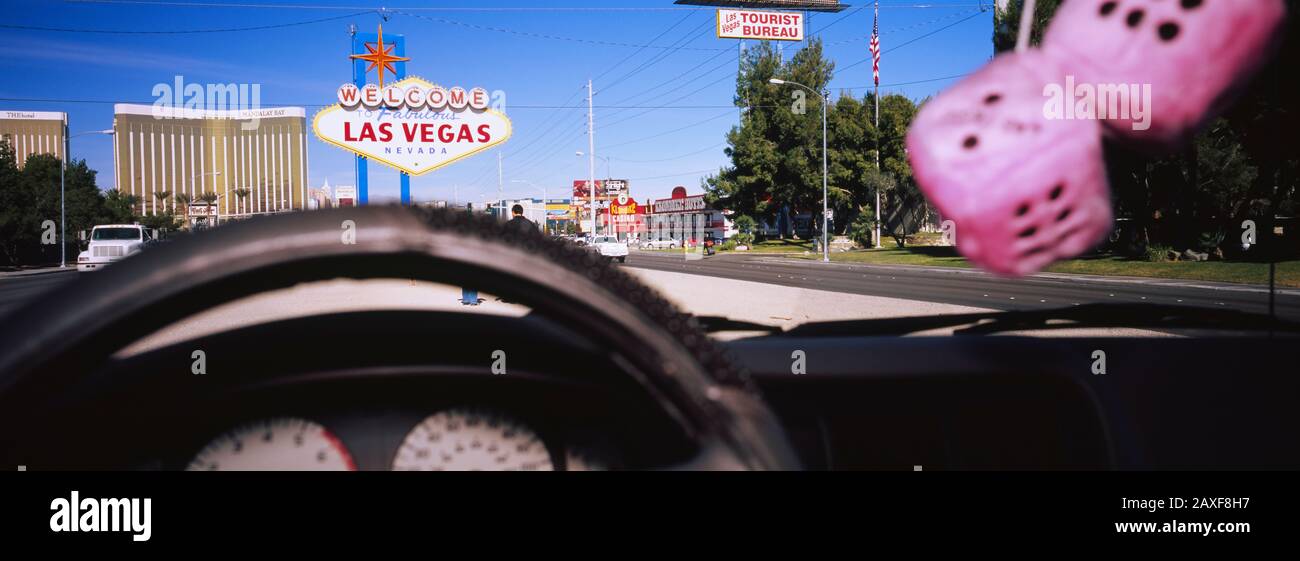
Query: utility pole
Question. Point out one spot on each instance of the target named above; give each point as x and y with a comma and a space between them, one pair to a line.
591, 158
63, 212
826, 222
740, 69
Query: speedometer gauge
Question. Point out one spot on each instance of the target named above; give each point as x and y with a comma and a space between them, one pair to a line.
466, 440
282, 444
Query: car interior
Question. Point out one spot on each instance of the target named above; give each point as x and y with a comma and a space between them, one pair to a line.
600, 372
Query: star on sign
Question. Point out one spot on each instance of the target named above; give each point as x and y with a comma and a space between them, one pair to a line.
380, 56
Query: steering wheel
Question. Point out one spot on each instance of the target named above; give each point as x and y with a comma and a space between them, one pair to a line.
54, 342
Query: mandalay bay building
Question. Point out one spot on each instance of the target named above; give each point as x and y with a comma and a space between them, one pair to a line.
254, 161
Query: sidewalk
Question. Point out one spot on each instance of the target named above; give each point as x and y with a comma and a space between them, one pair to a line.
786, 307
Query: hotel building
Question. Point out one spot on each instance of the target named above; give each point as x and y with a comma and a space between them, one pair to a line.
34, 132
196, 152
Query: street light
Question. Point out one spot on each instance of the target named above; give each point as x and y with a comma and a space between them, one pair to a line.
591, 187
63, 211
825, 97
608, 174
545, 224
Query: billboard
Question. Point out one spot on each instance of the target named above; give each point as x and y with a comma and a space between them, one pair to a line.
413, 125
345, 196
615, 187
762, 25
606, 190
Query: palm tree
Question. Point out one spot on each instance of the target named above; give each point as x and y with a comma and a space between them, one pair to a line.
241, 194
209, 199
162, 197
184, 199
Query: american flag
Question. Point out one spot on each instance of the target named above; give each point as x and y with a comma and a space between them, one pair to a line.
875, 46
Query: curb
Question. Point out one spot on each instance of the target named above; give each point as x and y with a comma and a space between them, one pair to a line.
37, 272
1081, 277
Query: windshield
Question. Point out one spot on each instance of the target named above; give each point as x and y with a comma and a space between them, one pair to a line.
115, 234
837, 162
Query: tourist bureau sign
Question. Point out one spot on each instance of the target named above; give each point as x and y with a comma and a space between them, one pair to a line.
763, 25
412, 125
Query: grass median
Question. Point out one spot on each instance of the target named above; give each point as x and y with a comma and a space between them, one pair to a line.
1288, 272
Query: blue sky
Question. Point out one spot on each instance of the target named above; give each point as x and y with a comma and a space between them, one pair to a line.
540, 53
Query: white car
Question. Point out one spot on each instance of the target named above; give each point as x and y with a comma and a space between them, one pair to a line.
666, 243
111, 243
611, 247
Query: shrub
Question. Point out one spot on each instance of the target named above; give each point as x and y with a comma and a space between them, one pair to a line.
1157, 253
860, 230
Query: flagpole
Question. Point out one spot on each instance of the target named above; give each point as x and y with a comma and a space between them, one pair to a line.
876, 72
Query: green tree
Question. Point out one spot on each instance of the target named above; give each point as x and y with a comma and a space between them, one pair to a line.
745, 230
119, 208
1245, 165
19, 227
161, 197
184, 200
861, 230
240, 195
32, 195
1006, 27
776, 150
159, 221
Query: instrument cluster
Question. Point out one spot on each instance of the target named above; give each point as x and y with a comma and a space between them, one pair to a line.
455, 439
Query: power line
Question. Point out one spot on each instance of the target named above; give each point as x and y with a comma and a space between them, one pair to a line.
696, 172
424, 9
906, 43
896, 84
679, 45
687, 155
179, 31
886, 32
276, 105
542, 35
672, 81
698, 90
665, 133
638, 51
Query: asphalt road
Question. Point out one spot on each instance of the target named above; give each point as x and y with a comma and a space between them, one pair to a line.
971, 288
18, 289
947, 286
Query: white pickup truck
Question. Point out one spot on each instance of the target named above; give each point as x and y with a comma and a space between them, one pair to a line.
110, 243
611, 247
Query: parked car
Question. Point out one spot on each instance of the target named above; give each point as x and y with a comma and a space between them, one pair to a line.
666, 243
611, 247
112, 242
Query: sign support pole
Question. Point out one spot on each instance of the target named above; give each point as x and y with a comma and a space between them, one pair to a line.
591, 159
359, 41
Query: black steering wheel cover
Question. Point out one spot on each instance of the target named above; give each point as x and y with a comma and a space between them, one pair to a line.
74, 329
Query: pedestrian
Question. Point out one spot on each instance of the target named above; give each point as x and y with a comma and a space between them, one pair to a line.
518, 220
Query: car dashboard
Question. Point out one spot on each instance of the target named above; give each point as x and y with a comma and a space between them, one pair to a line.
428, 391
379, 396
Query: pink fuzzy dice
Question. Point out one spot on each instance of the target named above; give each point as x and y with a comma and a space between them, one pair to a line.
1189, 56
1023, 189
